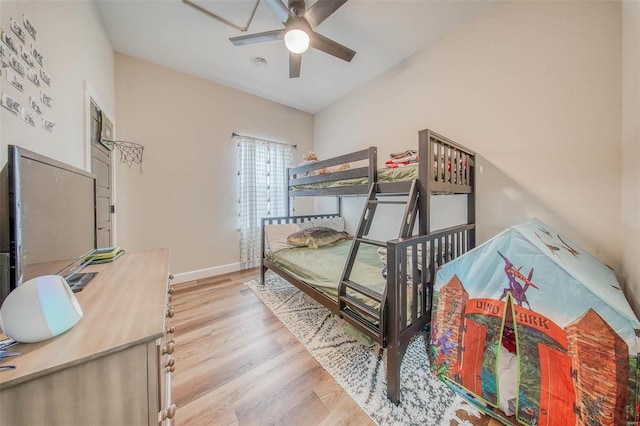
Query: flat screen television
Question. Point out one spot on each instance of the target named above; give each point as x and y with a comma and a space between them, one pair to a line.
52, 217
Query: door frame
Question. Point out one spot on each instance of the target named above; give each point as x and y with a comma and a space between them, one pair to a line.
90, 94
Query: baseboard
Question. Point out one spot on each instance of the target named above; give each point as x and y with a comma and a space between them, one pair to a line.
198, 274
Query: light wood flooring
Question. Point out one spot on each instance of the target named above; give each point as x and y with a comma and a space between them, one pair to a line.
236, 364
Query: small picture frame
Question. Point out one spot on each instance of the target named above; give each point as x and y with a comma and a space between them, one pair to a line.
29, 27
16, 64
36, 54
27, 57
15, 79
46, 99
28, 117
45, 77
10, 41
48, 125
9, 103
35, 105
17, 29
33, 76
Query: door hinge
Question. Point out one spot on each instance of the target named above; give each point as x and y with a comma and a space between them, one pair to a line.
112, 208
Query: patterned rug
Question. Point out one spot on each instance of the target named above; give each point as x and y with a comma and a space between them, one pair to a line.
360, 368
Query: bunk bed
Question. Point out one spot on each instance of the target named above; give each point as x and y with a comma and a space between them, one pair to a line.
388, 310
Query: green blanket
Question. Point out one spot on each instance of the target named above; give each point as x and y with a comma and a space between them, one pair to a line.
322, 267
384, 175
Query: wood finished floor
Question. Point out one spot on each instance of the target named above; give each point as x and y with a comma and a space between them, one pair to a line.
236, 364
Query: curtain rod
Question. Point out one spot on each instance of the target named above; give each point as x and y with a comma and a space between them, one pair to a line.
234, 134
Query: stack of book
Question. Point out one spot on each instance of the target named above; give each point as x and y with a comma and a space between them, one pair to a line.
104, 255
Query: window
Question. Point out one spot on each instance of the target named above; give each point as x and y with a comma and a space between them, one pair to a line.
263, 190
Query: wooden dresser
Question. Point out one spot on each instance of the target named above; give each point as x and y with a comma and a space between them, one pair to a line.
113, 367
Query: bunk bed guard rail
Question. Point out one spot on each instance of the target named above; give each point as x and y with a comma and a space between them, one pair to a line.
410, 289
310, 179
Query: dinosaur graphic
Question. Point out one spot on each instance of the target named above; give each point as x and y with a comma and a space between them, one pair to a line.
451, 311
555, 250
442, 343
440, 346
567, 247
515, 288
546, 232
552, 248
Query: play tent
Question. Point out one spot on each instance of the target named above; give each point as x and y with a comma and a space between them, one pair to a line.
531, 323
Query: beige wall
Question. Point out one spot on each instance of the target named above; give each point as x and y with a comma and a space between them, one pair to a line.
186, 197
534, 89
631, 150
77, 53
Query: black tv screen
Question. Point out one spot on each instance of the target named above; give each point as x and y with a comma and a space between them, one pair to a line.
52, 216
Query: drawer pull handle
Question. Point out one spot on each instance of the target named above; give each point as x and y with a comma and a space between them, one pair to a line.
171, 330
169, 412
171, 346
170, 291
171, 276
170, 363
171, 312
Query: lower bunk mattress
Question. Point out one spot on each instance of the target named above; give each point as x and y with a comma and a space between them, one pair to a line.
322, 267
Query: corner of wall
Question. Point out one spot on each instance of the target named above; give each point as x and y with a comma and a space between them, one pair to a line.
630, 182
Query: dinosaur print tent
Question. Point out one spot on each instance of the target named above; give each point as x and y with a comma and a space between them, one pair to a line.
532, 324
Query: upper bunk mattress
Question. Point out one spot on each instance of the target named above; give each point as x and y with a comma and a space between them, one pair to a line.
398, 174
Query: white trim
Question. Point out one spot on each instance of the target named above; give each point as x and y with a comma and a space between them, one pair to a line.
89, 95
184, 277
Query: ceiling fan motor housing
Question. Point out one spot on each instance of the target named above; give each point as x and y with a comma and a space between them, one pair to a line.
297, 8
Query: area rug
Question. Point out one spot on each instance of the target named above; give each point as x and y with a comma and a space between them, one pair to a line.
360, 368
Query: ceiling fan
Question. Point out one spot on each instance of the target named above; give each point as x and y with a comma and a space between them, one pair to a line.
298, 31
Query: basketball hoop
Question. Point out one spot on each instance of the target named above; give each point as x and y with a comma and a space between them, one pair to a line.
130, 152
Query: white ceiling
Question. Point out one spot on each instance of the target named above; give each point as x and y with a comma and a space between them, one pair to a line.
382, 32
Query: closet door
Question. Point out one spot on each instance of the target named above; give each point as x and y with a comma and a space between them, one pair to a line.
102, 129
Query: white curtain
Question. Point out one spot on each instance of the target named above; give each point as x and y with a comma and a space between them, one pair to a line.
262, 188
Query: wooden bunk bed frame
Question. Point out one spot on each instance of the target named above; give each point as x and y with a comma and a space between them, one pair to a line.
444, 167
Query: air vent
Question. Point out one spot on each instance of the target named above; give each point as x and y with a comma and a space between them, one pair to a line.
259, 61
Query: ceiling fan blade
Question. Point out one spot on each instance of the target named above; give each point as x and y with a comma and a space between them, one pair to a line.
321, 10
331, 47
258, 37
279, 9
295, 61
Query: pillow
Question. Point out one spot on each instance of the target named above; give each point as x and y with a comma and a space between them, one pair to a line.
336, 223
276, 235
316, 237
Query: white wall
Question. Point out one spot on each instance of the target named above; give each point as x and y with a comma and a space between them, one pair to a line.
631, 150
534, 89
186, 197
77, 52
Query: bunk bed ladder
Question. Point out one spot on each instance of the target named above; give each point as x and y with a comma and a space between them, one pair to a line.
350, 303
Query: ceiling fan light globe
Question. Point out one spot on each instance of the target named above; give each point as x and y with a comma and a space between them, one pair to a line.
297, 41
